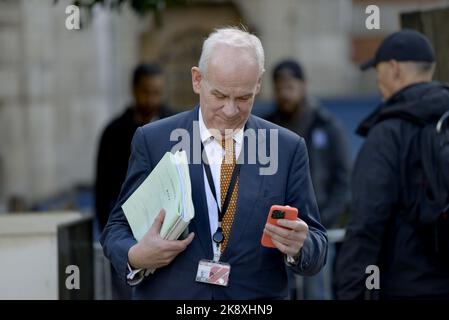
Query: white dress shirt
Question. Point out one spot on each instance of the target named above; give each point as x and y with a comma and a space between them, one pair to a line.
215, 154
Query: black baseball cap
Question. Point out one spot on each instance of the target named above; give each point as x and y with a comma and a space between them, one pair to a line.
404, 45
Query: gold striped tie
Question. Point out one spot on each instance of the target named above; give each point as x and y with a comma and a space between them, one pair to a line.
227, 166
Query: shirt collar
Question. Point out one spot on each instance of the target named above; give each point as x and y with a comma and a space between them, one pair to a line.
206, 136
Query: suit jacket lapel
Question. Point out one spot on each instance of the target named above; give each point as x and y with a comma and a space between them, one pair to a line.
200, 223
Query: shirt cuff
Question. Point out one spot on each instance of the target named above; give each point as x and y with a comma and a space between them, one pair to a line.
134, 276
293, 261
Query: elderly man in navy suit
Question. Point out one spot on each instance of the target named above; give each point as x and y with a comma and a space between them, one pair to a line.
233, 191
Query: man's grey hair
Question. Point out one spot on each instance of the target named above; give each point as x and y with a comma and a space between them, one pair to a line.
425, 67
236, 37
420, 68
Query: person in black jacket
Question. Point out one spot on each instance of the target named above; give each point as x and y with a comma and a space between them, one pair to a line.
324, 135
327, 148
384, 256
115, 147
115, 144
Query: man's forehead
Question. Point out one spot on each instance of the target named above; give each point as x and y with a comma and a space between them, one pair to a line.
222, 77
287, 78
150, 80
231, 88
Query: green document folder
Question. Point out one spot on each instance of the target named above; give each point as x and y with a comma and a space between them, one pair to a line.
168, 187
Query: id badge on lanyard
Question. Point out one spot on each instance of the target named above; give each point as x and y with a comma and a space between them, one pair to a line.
213, 271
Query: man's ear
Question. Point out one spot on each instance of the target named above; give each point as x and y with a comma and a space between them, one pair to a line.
395, 69
259, 85
196, 79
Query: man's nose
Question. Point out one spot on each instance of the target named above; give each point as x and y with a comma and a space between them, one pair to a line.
230, 108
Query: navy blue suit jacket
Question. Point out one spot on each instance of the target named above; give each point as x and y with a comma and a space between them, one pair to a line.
256, 272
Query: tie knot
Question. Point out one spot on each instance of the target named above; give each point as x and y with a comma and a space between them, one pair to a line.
228, 147
227, 143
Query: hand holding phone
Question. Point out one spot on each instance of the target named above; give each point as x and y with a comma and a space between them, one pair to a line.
278, 212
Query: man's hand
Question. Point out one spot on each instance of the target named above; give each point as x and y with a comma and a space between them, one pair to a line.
287, 241
154, 252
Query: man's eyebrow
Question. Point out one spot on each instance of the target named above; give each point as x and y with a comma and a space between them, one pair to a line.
248, 95
215, 91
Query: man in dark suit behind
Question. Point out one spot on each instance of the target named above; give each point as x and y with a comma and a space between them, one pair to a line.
227, 80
